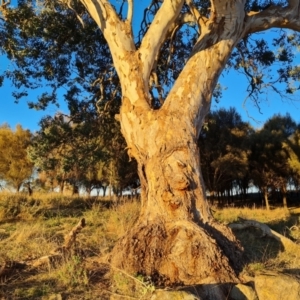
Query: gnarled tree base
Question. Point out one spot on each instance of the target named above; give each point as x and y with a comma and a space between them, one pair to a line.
180, 253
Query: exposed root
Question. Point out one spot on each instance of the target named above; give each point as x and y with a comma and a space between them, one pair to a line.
178, 253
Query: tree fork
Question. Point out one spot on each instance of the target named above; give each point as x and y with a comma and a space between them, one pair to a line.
175, 240
175, 235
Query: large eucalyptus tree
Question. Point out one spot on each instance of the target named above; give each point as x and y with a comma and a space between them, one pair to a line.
168, 75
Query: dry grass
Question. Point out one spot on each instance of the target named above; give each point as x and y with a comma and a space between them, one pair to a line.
31, 227
230, 215
263, 252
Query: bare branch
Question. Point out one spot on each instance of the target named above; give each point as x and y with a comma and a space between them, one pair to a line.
157, 33
68, 2
130, 12
275, 16
97, 11
199, 19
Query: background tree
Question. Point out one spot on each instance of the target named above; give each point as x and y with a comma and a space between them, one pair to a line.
181, 50
71, 150
292, 146
270, 158
15, 167
223, 151
68, 151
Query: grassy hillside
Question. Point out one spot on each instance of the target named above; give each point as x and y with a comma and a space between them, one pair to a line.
35, 227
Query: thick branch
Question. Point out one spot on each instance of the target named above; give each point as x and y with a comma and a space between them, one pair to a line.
119, 37
193, 88
157, 33
274, 16
117, 33
200, 20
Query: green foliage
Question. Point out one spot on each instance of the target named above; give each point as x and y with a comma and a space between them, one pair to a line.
233, 155
66, 150
15, 166
270, 158
54, 54
82, 152
71, 52
223, 150
55, 46
292, 146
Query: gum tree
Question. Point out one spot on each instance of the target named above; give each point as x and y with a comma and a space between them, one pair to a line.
171, 236
168, 75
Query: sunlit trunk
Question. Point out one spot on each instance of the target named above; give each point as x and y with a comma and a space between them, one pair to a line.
266, 197
175, 239
284, 195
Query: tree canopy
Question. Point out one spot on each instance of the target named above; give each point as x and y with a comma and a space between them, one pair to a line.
15, 166
72, 51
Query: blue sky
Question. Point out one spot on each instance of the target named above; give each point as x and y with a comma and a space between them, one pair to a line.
234, 96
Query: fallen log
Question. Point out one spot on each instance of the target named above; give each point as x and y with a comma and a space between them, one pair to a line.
71, 237
60, 253
288, 244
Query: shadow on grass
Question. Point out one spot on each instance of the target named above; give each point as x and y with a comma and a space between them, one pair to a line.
32, 283
285, 227
259, 248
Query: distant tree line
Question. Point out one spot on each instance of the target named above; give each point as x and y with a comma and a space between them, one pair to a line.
235, 156
87, 152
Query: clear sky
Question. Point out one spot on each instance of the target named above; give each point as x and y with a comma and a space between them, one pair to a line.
234, 95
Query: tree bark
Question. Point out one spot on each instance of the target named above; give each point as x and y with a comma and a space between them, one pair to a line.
175, 240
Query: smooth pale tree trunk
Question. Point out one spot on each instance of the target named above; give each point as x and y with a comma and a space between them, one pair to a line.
266, 197
284, 195
176, 240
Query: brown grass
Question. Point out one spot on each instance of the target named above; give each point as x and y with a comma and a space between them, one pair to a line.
31, 227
